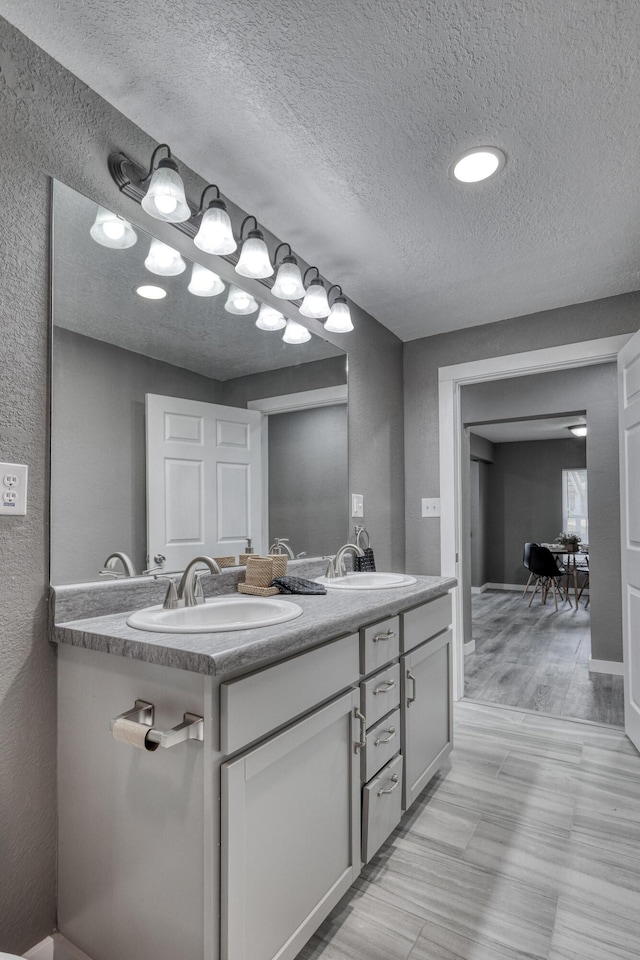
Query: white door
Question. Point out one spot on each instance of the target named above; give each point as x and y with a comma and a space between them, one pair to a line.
629, 418
203, 479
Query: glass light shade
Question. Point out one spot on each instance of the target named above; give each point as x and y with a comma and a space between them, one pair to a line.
164, 260
110, 230
165, 199
339, 319
254, 259
288, 284
215, 234
315, 303
270, 319
204, 283
579, 430
150, 292
296, 333
240, 302
478, 164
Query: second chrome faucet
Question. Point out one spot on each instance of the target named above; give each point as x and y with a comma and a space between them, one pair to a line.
189, 591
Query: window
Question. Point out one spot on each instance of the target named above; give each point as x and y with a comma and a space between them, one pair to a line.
575, 514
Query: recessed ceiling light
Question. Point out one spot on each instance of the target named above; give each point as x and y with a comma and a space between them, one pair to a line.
580, 430
478, 164
150, 292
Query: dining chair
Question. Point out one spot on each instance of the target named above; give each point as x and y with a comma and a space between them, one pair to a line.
526, 554
582, 567
548, 573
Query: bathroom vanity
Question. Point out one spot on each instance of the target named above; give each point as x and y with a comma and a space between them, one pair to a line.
318, 734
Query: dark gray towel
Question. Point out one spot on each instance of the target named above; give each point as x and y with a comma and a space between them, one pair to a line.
298, 585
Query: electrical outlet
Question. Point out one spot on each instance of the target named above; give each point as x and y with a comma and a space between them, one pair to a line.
13, 489
357, 505
431, 507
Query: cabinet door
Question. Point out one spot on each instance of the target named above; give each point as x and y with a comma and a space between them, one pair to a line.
290, 833
426, 712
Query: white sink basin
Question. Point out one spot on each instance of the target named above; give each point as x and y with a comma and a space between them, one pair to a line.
368, 581
217, 615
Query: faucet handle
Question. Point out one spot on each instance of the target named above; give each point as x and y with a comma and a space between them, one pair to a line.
171, 600
198, 591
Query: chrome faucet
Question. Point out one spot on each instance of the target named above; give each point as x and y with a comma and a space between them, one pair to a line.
109, 568
336, 566
189, 591
281, 545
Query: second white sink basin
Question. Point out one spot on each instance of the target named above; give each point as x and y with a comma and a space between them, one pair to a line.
368, 581
217, 615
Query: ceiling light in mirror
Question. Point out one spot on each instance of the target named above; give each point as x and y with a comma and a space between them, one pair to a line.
478, 164
150, 292
165, 198
215, 234
110, 230
296, 333
164, 260
339, 319
269, 318
240, 302
288, 283
254, 259
315, 303
204, 283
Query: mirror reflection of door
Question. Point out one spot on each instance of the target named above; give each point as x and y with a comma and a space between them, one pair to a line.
203, 479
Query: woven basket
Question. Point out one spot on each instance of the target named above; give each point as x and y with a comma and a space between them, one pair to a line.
257, 591
279, 564
259, 572
225, 561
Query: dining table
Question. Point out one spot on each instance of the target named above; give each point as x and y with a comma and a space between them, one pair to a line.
571, 564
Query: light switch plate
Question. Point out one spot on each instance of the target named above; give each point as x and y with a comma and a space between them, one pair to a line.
13, 489
357, 505
431, 507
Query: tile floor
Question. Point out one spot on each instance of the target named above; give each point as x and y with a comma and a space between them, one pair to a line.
533, 658
527, 845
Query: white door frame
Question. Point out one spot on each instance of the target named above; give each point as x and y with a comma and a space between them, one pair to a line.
451, 379
288, 403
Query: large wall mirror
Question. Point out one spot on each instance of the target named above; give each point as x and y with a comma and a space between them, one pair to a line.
175, 417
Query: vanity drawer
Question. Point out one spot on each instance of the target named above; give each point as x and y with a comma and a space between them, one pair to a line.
382, 743
380, 693
425, 621
252, 706
380, 643
381, 807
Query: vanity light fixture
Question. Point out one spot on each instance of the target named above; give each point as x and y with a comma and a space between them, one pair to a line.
110, 230
288, 283
215, 234
580, 430
477, 164
204, 282
165, 199
296, 333
269, 318
339, 319
240, 302
315, 303
164, 260
254, 259
150, 292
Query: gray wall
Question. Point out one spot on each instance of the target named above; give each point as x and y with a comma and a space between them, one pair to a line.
274, 383
98, 449
51, 124
594, 390
525, 500
308, 479
480, 529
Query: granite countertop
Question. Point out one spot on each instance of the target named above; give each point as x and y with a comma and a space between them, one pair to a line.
233, 653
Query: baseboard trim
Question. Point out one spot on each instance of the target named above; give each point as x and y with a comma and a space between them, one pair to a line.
468, 647
55, 947
504, 586
479, 589
613, 667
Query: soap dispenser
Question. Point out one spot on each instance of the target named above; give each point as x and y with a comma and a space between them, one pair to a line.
249, 551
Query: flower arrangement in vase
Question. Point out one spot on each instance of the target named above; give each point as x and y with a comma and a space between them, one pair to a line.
569, 541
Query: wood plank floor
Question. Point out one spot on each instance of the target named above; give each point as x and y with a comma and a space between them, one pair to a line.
533, 658
527, 845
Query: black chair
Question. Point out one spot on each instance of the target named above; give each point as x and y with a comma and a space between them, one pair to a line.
582, 566
525, 563
548, 573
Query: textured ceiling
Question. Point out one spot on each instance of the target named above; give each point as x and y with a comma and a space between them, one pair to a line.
542, 428
93, 294
335, 121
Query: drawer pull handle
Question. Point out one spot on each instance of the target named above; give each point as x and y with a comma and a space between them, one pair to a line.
362, 742
396, 783
385, 687
378, 741
410, 676
384, 636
